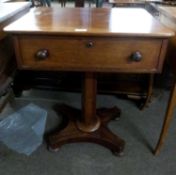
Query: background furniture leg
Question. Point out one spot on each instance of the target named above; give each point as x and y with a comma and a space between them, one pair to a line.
168, 118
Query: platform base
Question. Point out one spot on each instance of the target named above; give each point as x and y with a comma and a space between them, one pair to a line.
71, 134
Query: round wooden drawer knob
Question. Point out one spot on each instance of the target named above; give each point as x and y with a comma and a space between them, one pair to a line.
136, 56
90, 44
42, 54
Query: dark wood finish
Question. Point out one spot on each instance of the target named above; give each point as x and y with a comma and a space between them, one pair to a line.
68, 49
99, 41
79, 3
86, 22
70, 133
89, 125
147, 100
90, 122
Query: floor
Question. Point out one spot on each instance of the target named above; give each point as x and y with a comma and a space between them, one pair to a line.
140, 129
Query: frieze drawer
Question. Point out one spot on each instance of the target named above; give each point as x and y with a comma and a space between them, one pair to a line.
89, 54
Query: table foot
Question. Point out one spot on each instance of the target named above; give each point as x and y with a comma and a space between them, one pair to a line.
53, 149
71, 133
119, 154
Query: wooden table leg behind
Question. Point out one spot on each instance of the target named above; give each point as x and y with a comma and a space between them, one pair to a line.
149, 92
88, 125
168, 117
79, 3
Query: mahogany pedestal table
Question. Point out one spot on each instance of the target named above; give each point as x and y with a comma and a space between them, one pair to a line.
89, 41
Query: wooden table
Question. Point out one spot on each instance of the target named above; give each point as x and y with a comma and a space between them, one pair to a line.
89, 41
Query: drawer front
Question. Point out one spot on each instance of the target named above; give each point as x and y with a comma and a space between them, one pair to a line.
89, 54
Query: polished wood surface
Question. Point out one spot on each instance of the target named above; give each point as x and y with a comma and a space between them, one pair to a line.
90, 41
70, 131
90, 21
116, 55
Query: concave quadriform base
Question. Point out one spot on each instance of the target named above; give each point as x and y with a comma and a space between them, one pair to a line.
71, 133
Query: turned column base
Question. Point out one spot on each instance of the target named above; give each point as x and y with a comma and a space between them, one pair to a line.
70, 132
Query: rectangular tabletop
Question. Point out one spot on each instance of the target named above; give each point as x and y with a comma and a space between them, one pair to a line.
90, 21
